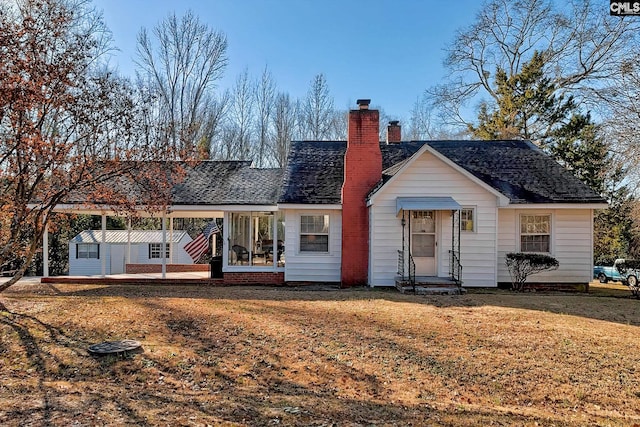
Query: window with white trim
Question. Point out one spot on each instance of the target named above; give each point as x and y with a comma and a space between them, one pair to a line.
155, 251
314, 233
88, 250
535, 233
468, 219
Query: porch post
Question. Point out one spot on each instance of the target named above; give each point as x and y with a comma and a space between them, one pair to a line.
128, 242
45, 251
164, 244
171, 240
103, 248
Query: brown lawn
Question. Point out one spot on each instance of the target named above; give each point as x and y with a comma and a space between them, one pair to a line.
273, 356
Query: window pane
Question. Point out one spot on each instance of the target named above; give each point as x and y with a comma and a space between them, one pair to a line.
88, 250
263, 245
155, 251
536, 224
281, 239
533, 243
314, 243
423, 222
466, 220
423, 245
314, 224
240, 238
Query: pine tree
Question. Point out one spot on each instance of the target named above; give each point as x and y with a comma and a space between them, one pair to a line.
528, 106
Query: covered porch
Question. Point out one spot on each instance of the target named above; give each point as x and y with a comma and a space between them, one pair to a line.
431, 228
252, 228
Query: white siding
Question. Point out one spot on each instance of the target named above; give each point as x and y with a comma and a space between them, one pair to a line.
91, 266
428, 176
571, 244
180, 256
139, 255
320, 267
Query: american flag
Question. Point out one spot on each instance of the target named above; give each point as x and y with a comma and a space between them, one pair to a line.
197, 246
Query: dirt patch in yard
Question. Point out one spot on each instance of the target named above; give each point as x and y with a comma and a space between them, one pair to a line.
280, 356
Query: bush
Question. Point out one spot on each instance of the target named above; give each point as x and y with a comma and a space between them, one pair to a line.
522, 265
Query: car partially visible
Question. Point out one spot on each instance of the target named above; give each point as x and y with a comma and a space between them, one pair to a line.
606, 274
629, 270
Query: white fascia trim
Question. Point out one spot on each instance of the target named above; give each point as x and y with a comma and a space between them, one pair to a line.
301, 206
548, 206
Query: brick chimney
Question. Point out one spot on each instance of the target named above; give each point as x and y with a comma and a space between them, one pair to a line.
362, 171
394, 132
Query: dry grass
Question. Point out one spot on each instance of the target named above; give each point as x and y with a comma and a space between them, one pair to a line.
272, 356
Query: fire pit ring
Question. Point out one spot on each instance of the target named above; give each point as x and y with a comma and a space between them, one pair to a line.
114, 347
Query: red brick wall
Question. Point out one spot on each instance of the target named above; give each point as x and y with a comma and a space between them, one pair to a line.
254, 278
394, 133
362, 171
171, 268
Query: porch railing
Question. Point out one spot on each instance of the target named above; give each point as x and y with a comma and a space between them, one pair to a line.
411, 276
455, 268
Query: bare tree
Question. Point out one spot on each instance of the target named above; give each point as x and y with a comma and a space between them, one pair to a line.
265, 90
622, 123
581, 44
66, 125
284, 123
240, 120
318, 112
183, 62
420, 123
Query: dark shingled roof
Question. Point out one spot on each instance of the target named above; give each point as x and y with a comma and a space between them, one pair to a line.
206, 183
228, 183
314, 172
517, 169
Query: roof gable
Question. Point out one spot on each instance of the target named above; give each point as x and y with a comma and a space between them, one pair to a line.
519, 170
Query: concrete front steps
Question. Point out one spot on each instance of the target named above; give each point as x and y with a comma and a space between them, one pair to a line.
430, 285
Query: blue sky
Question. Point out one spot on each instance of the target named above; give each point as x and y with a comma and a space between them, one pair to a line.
385, 50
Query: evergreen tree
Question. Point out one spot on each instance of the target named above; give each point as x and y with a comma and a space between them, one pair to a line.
528, 106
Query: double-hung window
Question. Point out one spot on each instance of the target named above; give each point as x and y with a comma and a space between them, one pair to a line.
314, 233
88, 250
535, 233
468, 219
155, 251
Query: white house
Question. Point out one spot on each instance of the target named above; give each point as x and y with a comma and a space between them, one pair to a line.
441, 211
366, 212
122, 247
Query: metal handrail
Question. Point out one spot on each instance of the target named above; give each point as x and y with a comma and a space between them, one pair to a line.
412, 273
455, 268
412, 269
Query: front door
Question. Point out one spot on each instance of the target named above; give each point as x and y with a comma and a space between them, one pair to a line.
424, 242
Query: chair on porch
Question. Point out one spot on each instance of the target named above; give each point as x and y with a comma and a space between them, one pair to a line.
242, 254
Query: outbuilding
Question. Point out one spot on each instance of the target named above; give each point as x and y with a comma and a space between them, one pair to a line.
122, 248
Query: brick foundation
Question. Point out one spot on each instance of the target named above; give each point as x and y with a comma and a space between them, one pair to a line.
254, 278
171, 268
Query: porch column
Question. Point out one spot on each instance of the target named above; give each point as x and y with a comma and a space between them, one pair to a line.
103, 248
45, 251
164, 244
171, 240
128, 261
